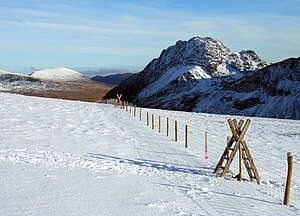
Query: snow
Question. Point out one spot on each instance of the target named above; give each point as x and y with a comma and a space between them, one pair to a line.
171, 75
58, 74
4, 72
72, 158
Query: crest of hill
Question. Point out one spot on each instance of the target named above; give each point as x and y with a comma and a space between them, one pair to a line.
59, 74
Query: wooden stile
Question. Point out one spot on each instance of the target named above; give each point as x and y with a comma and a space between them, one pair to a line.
238, 133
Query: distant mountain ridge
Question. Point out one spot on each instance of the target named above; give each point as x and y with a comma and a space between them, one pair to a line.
114, 79
59, 82
203, 75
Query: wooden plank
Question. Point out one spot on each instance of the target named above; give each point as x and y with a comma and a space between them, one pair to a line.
221, 160
240, 125
254, 169
233, 129
226, 168
235, 123
240, 177
248, 166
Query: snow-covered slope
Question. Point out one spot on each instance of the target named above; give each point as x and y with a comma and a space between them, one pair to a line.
59, 74
73, 158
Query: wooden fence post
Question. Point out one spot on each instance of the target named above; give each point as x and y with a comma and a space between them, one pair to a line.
206, 144
152, 121
140, 113
176, 131
186, 136
167, 126
159, 124
130, 107
127, 106
288, 179
134, 110
147, 118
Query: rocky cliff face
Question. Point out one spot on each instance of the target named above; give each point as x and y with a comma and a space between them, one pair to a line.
208, 53
202, 75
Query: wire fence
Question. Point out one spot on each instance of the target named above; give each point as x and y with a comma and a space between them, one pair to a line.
188, 130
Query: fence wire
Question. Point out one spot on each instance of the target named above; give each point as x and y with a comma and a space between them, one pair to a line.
270, 159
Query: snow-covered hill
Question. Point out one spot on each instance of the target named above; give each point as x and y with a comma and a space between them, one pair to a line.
57, 83
72, 158
202, 75
59, 74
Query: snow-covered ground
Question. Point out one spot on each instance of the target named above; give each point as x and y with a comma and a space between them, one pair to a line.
73, 158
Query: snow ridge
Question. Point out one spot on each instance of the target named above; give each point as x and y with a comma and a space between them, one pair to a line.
58, 74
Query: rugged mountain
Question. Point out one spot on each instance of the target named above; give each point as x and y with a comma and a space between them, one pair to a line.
61, 83
202, 75
207, 54
114, 79
273, 91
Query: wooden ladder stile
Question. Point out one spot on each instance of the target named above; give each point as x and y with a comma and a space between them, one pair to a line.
238, 133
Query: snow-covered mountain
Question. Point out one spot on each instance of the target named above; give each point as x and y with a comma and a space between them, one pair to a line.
207, 54
59, 74
202, 75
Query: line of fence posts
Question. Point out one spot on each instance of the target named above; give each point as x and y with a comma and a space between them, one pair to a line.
289, 155
128, 107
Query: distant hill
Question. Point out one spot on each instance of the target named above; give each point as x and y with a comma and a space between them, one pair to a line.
114, 79
203, 75
60, 83
59, 74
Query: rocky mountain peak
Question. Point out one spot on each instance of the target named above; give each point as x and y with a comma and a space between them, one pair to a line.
206, 52
209, 56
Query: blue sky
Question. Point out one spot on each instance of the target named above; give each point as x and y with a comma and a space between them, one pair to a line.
129, 34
